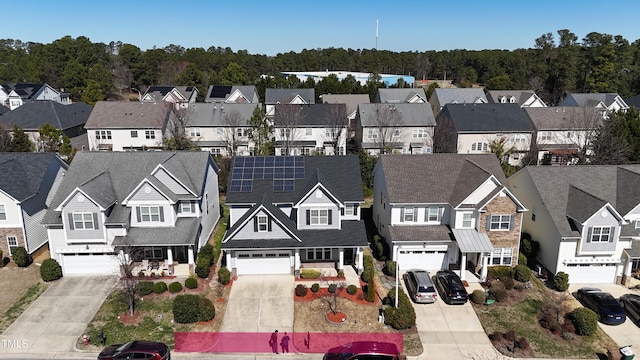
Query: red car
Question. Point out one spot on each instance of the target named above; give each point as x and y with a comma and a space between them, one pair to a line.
141, 349
363, 350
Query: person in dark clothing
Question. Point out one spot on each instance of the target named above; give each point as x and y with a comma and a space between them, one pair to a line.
273, 342
285, 343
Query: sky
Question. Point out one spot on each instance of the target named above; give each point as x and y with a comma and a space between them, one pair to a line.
280, 26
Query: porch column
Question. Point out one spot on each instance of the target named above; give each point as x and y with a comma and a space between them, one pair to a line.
296, 260
483, 274
123, 256
360, 260
463, 266
341, 259
190, 255
169, 256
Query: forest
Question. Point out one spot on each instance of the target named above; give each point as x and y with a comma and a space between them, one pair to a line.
555, 65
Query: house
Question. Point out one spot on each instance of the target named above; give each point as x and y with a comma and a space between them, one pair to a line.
607, 103
310, 129
156, 205
446, 211
222, 128
232, 94
32, 115
586, 219
119, 126
444, 96
361, 77
28, 183
287, 96
398, 128
181, 96
15, 95
563, 134
351, 101
472, 128
292, 212
401, 95
524, 98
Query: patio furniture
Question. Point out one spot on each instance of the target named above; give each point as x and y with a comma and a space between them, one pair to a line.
145, 265
155, 265
165, 265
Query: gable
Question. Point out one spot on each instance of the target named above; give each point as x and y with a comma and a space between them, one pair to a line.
318, 195
249, 230
146, 193
170, 182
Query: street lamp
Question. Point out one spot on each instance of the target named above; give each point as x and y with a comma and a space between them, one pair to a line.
139, 94
397, 249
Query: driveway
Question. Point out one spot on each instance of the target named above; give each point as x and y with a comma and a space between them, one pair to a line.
54, 321
260, 303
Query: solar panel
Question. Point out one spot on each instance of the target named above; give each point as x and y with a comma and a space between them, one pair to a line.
283, 170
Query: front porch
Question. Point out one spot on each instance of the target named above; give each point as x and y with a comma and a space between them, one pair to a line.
151, 269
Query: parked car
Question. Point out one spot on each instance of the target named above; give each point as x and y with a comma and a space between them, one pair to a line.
452, 290
420, 286
140, 349
631, 303
604, 304
363, 350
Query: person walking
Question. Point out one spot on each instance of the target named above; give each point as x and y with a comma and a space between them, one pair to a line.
273, 342
285, 343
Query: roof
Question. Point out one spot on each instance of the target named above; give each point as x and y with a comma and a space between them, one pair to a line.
459, 95
218, 114
4, 110
220, 93
520, 96
285, 96
472, 240
158, 92
437, 178
408, 114
33, 114
564, 118
590, 99
491, 118
350, 100
129, 115
421, 233
25, 90
22, 174
310, 115
400, 95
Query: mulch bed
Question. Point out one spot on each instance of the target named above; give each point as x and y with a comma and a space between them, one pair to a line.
357, 298
127, 319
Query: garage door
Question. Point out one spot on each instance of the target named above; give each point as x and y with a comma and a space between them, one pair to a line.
253, 263
421, 258
98, 264
586, 273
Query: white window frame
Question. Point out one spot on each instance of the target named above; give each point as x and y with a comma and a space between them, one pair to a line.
149, 213
545, 135
637, 224
85, 219
185, 207
599, 235
3, 212
497, 222
467, 220
10, 240
150, 134
195, 132
396, 132
319, 254
308, 131
263, 223
134, 133
501, 256
430, 216
419, 133
409, 214
319, 217
372, 134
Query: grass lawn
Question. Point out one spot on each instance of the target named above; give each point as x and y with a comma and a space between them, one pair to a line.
20, 287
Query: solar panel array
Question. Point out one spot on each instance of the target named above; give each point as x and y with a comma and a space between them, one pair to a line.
282, 170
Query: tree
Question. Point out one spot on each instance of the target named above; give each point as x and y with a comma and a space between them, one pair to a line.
386, 123
260, 132
502, 151
331, 298
53, 140
630, 128
609, 145
20, 141
336, 123
233, 74
5, 140
92, 93
177, 125
287, 118
233, 131
129, 282
432, 87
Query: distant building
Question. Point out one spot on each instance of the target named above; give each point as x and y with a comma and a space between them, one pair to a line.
362, 77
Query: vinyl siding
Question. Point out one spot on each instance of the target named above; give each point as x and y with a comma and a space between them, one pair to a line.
85, 206
170, 182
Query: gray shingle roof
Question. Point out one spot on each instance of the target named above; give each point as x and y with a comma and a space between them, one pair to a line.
158, 92
284, 96
210, 114
494, 96
350, 100
25, 90
421, 233
21, 174
129, 115
311, 115
399, 95
408, 114
564, 118
33, 114
488, 118
459, 95
588, 99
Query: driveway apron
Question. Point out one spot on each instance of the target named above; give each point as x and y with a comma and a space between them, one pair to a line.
260, 303
54, 322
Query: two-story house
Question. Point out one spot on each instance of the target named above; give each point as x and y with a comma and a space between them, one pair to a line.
446, 211
181, 96
395, 128
401, 95
15, 95
156, 205
274, 97
310, 129
28, 183
472, 129
524, 98
586, 218
232, 94
444, 96
607, 103
291, 212
351, 101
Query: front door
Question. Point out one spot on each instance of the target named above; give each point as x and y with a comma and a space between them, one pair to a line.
349, 256
180, 254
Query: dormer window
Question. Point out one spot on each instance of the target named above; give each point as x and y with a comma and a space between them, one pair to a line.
408, 214
319, 217
187, 207
263, 223
83, 221
150, 214
600, 234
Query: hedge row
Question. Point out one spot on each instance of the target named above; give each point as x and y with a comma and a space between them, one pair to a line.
404, 317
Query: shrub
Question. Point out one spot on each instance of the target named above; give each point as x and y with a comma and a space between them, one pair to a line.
389, 268
561, 281
341, 274
141, 274
585, 321
496, 285
549, 321
315, 287
522, 273
175, 287
301, 290
478, 297
500, 295
224, 276
145, 287
508, 283
380, 247
332, 288
370, 294
186, 309
160, 287
206, 308
403, 317
310, 274
523, 343
50, 270
20, 256
367, 261
351, 289
522, 259
367, 275
203, 267
207, 251
496, 272
191, 283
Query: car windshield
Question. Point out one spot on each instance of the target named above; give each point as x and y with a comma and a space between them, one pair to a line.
425, 289
124, 347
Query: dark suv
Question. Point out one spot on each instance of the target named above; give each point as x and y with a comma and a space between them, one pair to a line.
136, 350
451, 288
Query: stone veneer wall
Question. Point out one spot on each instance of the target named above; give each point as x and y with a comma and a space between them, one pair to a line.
4, 232
503, 205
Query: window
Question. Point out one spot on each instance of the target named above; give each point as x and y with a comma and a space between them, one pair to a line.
600, 234
150, 134
479, 146
150, 214
351, 210
319, 217
12, 243
103, 134
239, 133
214, 151
637, 222
500, 222
433, 214
330, 133
372, 134
319, 254
187, 207
569, 134
134, 133
3, 212
545, 135
408, 214
396, 132
308, 132
83, 221
467, 220
501, 256
419, 133
518, 138
195, 132
262, 223
285, 133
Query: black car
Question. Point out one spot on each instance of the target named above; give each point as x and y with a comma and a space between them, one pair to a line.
604, 304
451, 288
631, 303
141, 349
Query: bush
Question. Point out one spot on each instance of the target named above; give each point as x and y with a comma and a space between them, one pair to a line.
404, 317
145, 288
522, 259
50, 270
191, 283
175, 287
585, 321
522, 273
310, 274
370, 294
224, 276
206, 308
352, 289
160, 287
367, 275
207, 251
500, 295
561, 281
389, 268
332, 288
301, 290
496, 285
508, 283
315, 287
496, 272
20, 256
367, 261
186, 309
203, 267
380, 247
341, 274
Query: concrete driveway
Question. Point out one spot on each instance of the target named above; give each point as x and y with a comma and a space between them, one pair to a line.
260, 303
55, 320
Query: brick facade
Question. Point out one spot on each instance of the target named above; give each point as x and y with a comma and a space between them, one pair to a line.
503, 205
4, 233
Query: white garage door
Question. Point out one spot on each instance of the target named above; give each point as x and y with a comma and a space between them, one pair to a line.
599, 273
269, 262
89, 264
421, 258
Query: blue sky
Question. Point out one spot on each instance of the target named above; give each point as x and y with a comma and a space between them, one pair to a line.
272, 27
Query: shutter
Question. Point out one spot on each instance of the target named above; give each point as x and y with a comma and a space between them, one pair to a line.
193, 207
401, 214
308, 217
71, 227
329, 216
589, 235
95, 221
355, 210
138, 213
488, 222
161, 213
269, 224
255, 224
512, 222
341, 211
611, 234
